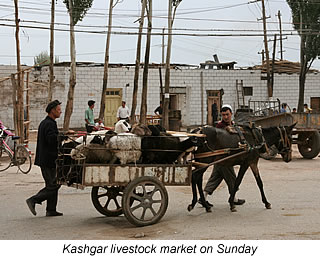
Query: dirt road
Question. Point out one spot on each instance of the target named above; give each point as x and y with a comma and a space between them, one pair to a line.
292, 188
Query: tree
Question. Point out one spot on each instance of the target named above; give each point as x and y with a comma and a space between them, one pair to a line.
43, 58
77, 10
175, 4
306, 20
106, 61
137, 66
143, 109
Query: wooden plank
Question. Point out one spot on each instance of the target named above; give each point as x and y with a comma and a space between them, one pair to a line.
185, 133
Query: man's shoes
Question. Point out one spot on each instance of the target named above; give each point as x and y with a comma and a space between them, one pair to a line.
239, 202
208, 203
53, 214
32, 206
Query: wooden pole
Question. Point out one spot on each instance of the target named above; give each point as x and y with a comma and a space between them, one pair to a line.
167, 75
72, 78
273, 60
137, 66
266, 49
106, 65
162, 60
143, 109
19, 103
27, 123
280, 28
201, 88
51, 66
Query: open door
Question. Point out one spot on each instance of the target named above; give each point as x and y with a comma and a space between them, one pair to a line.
213, 97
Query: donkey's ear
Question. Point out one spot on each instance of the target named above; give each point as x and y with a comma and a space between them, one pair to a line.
291, 127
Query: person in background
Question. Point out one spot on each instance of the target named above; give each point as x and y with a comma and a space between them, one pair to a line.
99, 125
283, 108
89, 118
46, 155
294, 110
307, 109
123, 112
214, 111
220, 172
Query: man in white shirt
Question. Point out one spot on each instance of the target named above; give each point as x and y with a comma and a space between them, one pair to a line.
123, 112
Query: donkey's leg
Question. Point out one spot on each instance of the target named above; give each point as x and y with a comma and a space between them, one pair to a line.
201, 194
255, 170
194, 190
242, 171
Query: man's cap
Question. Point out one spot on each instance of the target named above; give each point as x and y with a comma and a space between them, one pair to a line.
227, 106
52, 104
123, 101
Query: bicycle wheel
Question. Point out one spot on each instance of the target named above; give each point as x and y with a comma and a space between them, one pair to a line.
23, 159
5, 159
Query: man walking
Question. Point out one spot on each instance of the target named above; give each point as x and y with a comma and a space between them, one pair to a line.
46, 155
220, 172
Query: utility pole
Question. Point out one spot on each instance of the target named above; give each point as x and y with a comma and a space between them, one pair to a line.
137, 66
266, 48
262, 56
163, 46
167, 75
51, 67
273, 59
280, 28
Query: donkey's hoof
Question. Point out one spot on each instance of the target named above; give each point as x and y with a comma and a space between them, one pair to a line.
190, 207
233, 209
208, 209
268, 206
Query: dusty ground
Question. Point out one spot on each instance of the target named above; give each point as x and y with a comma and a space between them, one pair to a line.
292, 189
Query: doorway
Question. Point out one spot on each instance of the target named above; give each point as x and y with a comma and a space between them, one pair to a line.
213, 97
113, 102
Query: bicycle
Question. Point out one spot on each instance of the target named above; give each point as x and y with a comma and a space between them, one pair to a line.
20, 155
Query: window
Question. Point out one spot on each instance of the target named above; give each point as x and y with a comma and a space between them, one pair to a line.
248, 91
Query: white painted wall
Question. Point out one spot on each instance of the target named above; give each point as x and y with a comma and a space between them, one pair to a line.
89, 86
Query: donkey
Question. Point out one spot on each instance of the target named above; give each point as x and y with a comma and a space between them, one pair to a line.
256, 141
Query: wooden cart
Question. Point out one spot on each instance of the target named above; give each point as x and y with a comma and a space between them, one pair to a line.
136, 190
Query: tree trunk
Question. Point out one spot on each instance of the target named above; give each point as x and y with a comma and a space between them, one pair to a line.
106, 65
19, 89
137, 67
303, 66
167, 75
72, 79
51, 67
143, 109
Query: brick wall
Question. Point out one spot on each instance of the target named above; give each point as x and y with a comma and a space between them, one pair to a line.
89, 86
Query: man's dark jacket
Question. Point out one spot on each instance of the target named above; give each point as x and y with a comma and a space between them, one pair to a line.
47, 143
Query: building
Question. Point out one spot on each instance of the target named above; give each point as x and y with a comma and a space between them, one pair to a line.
192, 90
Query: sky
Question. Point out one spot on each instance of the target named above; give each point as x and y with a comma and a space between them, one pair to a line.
232, 29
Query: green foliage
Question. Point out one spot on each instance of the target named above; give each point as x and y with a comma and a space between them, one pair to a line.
79, 10
306, 20
44, 56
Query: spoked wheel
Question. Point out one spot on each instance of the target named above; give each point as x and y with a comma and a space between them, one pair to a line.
145, 201
309, 146
23, 159
107, 200
5, 160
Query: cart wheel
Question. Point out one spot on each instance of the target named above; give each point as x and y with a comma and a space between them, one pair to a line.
309, 146
145, 201
107, 200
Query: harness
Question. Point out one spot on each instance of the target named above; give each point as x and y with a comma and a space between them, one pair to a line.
285, 140
243, 148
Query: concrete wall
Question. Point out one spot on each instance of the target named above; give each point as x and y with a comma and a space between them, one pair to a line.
89, 85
